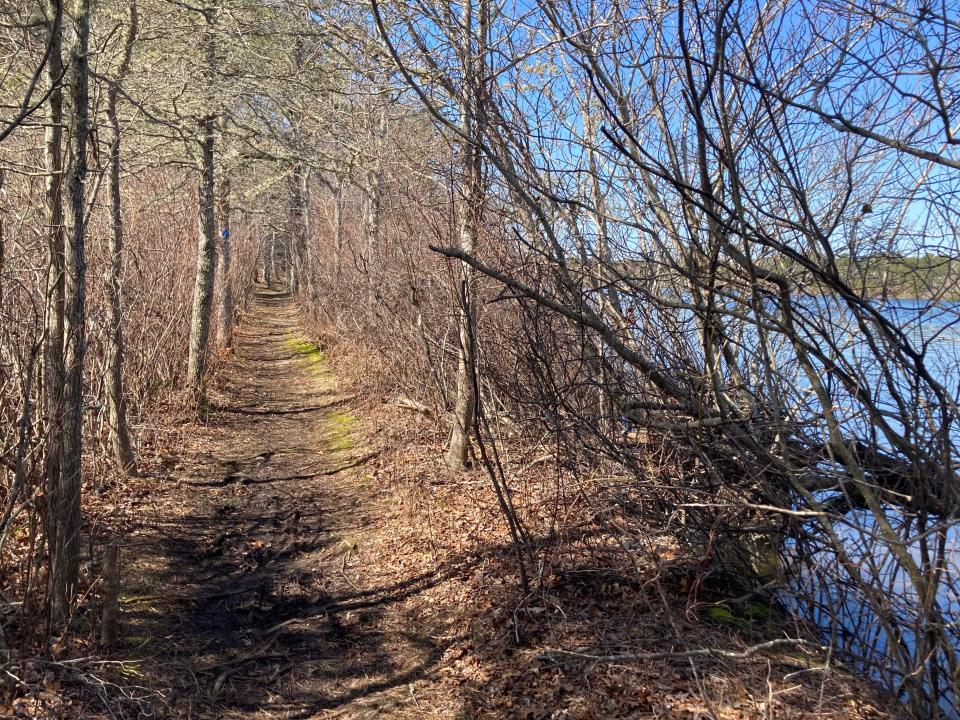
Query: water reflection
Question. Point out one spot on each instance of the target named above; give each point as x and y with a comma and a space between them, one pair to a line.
839, 606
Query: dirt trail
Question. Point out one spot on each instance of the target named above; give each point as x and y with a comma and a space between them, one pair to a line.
239, 588
302, 555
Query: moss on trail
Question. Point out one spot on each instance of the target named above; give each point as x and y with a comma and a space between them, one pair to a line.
338, 425
305, 349
338, 428
309, 356
744, 617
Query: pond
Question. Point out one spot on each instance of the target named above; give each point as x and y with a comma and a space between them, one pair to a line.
838, 607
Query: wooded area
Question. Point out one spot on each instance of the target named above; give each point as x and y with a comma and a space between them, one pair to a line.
644, 270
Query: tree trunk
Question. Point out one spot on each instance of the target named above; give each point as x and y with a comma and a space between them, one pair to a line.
111, 596
297, 235
308, 238
206, 235
458, 448
206, 259
288, 264
225, 328
268, 259
65, 502
116, 401
374, 217
298, 227
53, 372
338, 209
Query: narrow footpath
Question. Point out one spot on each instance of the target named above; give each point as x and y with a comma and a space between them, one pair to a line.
241, 593
303, 554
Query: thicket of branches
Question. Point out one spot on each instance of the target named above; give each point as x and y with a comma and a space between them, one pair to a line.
664, 242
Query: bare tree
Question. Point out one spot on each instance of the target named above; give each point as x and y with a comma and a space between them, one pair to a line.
206, 230
116, 401
225, 326
53, 359
64, 502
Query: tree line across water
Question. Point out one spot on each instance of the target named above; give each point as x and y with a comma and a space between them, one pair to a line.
588, 227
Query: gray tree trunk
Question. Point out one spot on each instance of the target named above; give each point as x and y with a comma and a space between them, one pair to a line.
308, 238
268, 259
338, 210
53, 372
298, 227
203, 287
374, 217
225, 328
116, 400
206, 264
458, 447
288, 264
65, 502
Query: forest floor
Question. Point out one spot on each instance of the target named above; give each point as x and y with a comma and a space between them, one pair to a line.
302, 554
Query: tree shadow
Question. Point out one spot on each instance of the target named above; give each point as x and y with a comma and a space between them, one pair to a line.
239, 600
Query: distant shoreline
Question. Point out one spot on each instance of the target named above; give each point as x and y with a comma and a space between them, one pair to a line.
927, 278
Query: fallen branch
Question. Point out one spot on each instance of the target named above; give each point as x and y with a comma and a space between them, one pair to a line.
684, 654
410, 404
356, 462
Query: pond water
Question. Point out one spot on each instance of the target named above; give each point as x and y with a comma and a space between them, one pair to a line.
822, 590
843, 613
821, 593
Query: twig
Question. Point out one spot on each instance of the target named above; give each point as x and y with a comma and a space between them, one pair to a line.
699, 652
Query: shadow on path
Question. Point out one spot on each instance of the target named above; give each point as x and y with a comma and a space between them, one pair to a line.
241, 595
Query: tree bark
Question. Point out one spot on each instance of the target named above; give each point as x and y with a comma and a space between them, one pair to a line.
339, 202
111, 596
203, 288
267, 259
206, 260
374, 217
287, 264
225, 327
65, 502
116, 400
298, 230
458, 448
53, 371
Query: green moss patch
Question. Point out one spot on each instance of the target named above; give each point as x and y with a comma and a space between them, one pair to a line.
742, 616
338, 427
304, 348
308, 355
